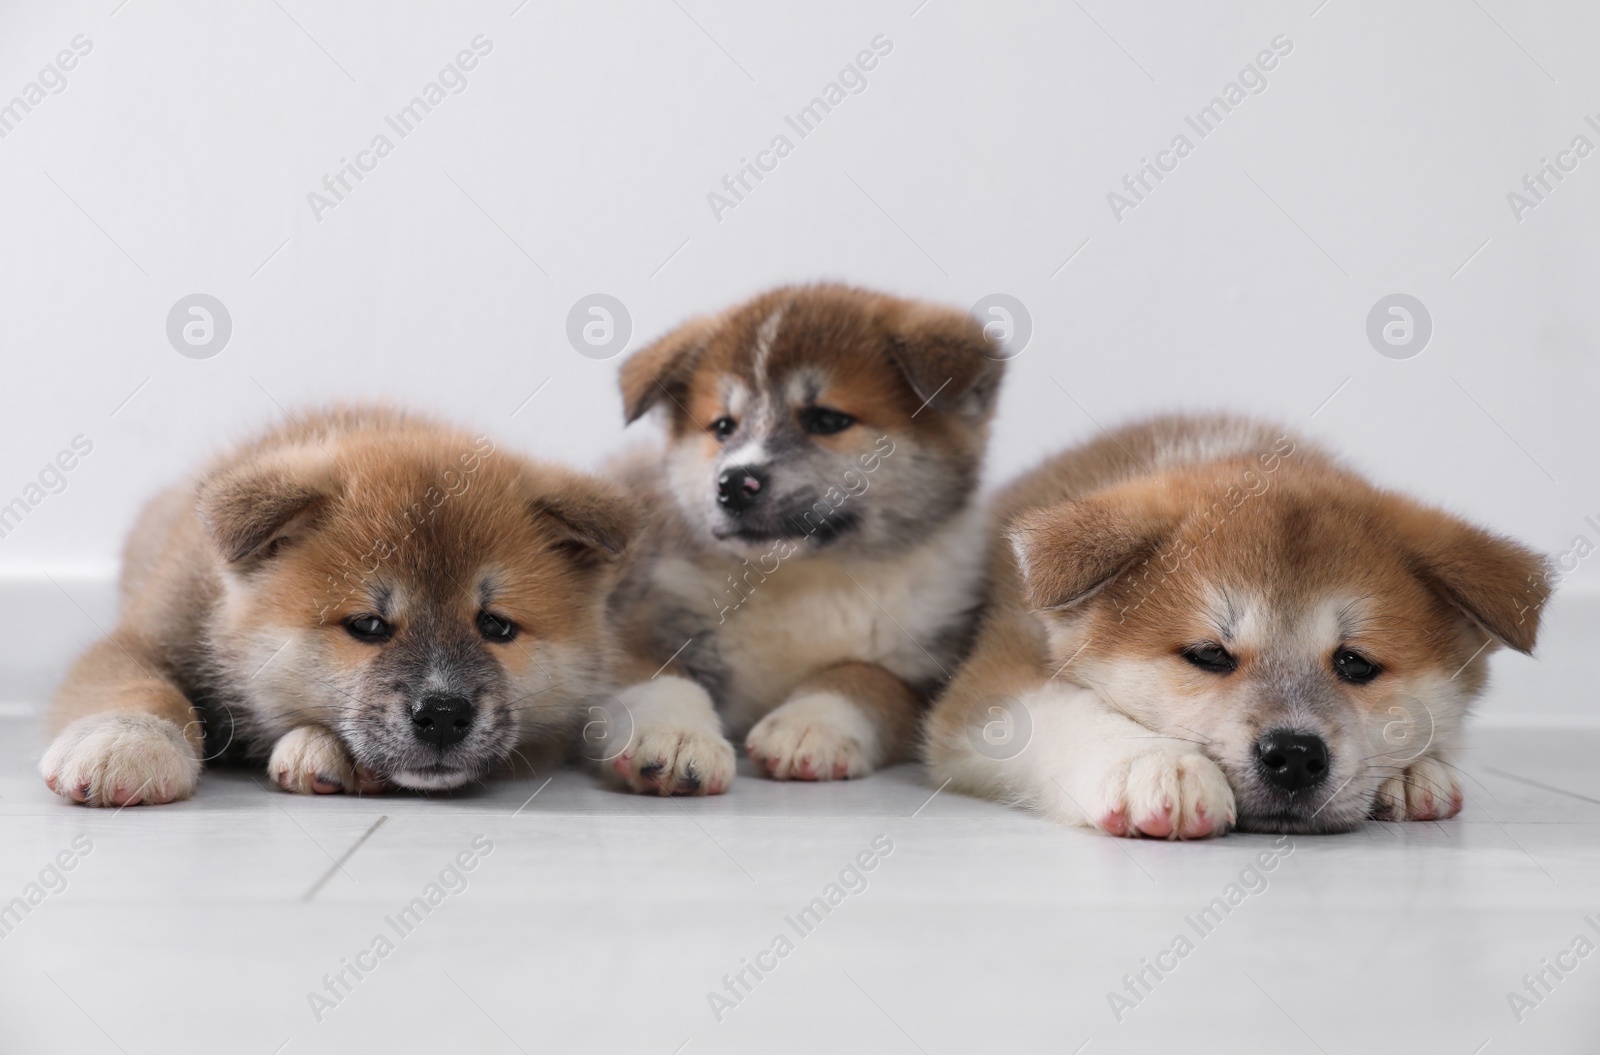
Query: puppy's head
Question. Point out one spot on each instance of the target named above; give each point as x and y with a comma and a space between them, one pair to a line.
820, 417
429, 598
1311, 634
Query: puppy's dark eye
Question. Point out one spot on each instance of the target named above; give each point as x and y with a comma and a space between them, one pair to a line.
1211, 656
1354, 667
723, 427
822, 421
368, 628
493, 628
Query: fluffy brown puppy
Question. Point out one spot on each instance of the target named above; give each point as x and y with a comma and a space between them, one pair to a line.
1197, 623
813, 556
362, 598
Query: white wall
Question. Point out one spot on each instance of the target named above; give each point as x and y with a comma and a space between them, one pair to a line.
1378, 159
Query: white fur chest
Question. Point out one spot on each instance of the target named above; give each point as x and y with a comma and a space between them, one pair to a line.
808, 614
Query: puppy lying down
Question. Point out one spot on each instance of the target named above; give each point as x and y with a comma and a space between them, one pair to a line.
359, 598
1203, 623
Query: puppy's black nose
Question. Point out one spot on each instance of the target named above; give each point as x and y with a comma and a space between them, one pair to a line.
442, 719
740, 488
1292, 761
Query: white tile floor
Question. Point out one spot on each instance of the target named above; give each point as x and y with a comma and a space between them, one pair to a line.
600, 921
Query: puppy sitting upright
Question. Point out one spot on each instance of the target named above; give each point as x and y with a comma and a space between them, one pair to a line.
813, 555
1201, 622
363, 598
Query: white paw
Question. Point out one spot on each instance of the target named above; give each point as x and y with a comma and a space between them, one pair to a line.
312, 760
670, 761
1426, 791
820, 736
117, 759
674, 743
1161, 791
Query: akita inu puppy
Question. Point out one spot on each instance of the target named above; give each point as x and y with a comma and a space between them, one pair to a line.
812, 559
359, 598
1198, 623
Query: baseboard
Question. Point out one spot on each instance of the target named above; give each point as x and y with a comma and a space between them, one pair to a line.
46, 620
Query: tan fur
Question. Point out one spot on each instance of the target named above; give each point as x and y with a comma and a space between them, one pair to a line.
876, 691
818, 651
1110, 560
237, 588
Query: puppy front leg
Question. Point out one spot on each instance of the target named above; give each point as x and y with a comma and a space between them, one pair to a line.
663, 736
841, 722
1079, 761
312, 760
1425, 790
126, 734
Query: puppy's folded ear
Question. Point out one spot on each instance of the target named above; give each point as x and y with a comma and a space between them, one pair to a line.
946, 359
1499, 585
255, 509
593, 520
662, 368
1071, 551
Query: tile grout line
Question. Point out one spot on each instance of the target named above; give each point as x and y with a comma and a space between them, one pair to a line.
1541, 787
337, 865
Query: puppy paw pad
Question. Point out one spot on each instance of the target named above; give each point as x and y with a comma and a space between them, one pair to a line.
121, 759
1427, 791
816, 737
311, 760
1164, 793
676, 762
